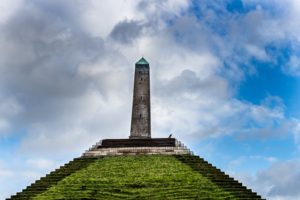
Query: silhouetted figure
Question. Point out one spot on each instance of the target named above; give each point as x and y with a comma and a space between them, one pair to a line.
170, 135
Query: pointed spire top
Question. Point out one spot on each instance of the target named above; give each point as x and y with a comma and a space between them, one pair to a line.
142, 61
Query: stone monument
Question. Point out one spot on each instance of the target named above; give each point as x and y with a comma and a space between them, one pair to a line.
141, 113
140, 141
178, 174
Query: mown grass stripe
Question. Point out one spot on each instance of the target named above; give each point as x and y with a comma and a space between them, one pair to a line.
138, 177
135, 177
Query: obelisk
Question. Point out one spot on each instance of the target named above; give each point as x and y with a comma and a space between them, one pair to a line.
141, 116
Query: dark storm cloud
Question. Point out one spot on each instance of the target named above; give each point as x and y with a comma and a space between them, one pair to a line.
42, 48
127, 31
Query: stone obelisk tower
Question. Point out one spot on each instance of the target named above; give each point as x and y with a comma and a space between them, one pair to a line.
141, 116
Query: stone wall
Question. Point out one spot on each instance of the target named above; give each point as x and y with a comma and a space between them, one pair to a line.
98, 150
137, 151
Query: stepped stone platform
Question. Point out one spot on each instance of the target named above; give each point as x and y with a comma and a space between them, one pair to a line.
149, 146
167, 177
137, 168
148, 142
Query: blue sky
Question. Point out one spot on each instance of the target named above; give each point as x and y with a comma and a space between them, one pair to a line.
224, 80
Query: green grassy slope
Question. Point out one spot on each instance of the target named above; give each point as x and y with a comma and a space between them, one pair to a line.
139, 177
53, 178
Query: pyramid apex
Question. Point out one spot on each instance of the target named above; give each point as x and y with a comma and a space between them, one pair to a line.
142, 61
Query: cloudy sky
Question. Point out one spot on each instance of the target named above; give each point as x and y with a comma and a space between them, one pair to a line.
225, 80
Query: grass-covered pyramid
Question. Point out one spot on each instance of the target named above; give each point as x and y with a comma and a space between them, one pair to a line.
137, 168
155, 171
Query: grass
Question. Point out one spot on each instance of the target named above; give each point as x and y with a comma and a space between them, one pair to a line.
136, 177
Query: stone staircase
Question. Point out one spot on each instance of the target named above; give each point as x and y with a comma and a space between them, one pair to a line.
218, 177
53, 178
234, 189
178, 150
162, 146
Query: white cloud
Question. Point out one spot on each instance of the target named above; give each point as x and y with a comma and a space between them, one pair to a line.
71, 83
99, 17
296, 131
5, 176
257, 52
212, 117
4, 172
279, 181
93, 118
40, 163
8, 8
9, 107
291, 23
84, 93
293, 66
19, 172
